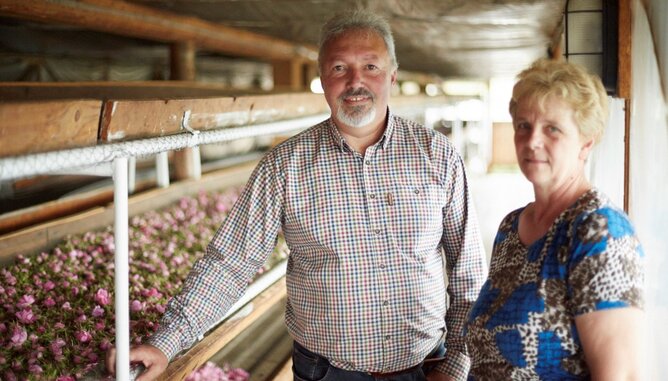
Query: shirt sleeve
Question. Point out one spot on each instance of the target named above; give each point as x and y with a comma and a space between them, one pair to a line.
465, 265
605, 267
238, 249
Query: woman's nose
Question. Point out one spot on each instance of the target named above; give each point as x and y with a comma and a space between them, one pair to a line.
535, 139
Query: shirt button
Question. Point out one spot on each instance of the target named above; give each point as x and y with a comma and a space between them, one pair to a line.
372, 196
367, 162
417, 191
377, 231
386, 303
382, 265
388, 338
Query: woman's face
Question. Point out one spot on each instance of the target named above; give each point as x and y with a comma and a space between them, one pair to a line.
548, 144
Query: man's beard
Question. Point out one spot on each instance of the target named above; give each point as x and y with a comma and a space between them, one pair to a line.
356, 116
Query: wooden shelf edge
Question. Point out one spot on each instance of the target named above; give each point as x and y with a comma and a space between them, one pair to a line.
201, 352
47, 235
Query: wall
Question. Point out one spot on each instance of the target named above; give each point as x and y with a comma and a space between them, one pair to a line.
648, 162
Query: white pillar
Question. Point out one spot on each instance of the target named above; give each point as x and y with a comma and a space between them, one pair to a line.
162, 169
121, 260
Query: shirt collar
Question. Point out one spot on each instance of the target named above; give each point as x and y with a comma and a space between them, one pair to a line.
340, 142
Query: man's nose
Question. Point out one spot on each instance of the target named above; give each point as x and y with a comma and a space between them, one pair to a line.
355, 78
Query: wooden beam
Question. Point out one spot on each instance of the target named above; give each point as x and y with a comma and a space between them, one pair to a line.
127, 120
124, 18
624, 86
624, 52
31, 127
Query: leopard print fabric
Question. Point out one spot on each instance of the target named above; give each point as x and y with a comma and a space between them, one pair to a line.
522, 326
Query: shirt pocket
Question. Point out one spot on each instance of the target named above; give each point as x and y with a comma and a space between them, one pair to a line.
416, 218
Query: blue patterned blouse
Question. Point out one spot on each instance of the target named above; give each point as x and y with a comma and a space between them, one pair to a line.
522, 326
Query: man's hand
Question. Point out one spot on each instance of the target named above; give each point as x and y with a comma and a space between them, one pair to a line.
151, 357
435, 375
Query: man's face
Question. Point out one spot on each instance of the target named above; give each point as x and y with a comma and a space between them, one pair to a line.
357, 76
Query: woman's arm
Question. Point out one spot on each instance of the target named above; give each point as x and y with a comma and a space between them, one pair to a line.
612, 340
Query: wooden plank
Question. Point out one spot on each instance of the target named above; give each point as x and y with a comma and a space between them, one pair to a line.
103, 90
285, 374
127, 120
27, 241
262, 348
199, 354
128, 19
47, 235
52, 210
30, 127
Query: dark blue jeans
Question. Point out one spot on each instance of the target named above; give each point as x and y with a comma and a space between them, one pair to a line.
309, 366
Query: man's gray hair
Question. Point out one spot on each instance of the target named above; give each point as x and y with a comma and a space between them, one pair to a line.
361, 20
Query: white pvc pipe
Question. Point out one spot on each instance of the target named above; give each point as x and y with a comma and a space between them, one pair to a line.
197, 163
162, 169
121, 269
132, 175
45, 163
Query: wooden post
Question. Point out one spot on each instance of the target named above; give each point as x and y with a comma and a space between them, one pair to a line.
624, 86
182, 61
183, 69
289, 74
310, 72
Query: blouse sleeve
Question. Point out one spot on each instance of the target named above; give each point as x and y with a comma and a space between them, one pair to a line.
605, 269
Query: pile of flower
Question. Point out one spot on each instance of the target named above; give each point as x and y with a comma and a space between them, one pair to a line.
211, 372
57, 310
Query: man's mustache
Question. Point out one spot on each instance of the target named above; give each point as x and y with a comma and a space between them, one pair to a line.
358, 92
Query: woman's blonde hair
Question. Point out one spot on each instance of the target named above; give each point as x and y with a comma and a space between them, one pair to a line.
570, 82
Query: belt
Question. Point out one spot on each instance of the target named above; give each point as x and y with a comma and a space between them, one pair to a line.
404, 371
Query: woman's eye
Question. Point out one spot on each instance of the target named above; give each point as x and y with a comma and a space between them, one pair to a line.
553, 129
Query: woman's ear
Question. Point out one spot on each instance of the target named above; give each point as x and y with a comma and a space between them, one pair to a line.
586, 148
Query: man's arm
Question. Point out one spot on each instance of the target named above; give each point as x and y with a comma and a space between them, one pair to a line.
217, 280
465, 265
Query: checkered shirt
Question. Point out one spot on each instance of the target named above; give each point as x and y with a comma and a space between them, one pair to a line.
370, 236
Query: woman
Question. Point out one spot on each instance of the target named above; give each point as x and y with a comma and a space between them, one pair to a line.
564, 295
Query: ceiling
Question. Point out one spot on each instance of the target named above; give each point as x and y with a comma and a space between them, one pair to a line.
448, 38
444, 38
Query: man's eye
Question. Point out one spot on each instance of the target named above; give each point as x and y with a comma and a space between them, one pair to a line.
338, 68
371, 67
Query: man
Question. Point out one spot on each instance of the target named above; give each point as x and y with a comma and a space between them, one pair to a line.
371, 205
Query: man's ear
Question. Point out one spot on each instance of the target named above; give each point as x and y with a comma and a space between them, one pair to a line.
394, 77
